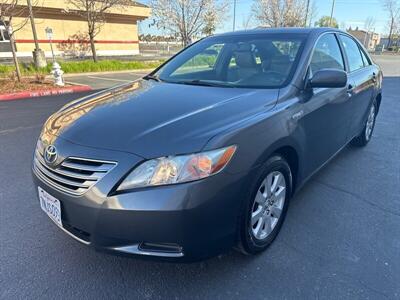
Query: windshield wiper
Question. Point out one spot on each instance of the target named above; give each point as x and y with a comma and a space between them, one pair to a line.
206, 83
152, 77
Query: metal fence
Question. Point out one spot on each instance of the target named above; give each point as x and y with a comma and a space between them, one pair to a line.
159, 48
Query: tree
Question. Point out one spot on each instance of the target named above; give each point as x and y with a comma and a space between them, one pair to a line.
247, 21
210, 23
9, 11
280, 13
188, 18
369, 24
94, 12
392, 7
311, 14
325, 21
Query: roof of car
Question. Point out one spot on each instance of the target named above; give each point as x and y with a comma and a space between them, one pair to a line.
282, 30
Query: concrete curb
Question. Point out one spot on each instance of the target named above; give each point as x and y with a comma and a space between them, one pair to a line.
41, 93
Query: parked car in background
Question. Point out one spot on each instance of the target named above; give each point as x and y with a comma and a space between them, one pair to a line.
204, 153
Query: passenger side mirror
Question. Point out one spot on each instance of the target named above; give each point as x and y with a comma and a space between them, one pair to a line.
328, 78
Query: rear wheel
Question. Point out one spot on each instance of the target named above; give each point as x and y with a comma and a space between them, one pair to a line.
266, 209
365, 135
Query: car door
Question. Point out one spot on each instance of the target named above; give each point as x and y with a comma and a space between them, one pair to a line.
326, 110
362, 75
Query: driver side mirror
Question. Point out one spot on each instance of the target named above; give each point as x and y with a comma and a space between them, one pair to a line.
328, 78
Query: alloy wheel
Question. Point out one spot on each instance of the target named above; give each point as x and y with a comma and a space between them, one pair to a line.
370, 123
268, 205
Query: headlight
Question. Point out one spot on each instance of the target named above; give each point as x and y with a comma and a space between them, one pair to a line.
177, 169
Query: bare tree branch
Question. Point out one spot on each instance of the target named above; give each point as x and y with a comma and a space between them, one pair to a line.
280, 13
188, 18
94, 13
392, 7
369, 23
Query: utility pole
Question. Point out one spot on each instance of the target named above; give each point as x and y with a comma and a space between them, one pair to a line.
234, 14
38, 55
330, 19
305, 19
390, 32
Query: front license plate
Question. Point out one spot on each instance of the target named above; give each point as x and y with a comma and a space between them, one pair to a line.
50, 205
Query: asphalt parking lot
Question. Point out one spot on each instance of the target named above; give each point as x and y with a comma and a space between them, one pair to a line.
341, 238
104, 80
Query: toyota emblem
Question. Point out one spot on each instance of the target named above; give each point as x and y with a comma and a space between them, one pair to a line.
50, 154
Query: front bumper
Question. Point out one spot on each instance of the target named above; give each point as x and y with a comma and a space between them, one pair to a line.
185, 222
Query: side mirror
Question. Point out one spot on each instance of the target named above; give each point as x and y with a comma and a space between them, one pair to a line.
328, 78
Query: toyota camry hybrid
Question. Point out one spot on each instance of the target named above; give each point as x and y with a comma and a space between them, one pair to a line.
204, 153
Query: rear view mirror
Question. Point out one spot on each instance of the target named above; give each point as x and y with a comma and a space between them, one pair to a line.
328, 78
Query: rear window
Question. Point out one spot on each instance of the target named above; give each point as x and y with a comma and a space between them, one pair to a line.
366, 60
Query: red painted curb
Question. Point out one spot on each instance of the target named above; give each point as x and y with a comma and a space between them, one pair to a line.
41, 93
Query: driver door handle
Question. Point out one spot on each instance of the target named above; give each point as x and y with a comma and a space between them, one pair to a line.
373, 77
350, 89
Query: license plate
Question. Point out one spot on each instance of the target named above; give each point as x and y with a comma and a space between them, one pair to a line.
50, 205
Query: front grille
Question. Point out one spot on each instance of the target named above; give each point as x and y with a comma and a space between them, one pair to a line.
74, 175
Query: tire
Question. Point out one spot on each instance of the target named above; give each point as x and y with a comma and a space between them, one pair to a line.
366, 133
254, 237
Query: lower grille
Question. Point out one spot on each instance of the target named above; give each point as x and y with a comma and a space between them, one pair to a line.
74, 175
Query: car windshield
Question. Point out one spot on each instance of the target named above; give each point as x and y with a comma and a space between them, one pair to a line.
247, 61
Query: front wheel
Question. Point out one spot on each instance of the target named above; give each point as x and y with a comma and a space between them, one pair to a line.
365, 135
266, 209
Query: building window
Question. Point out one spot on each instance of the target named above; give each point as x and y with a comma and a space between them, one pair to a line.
4, 36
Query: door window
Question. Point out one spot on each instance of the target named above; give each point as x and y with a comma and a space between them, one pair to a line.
326, 54
365, 58
353, 53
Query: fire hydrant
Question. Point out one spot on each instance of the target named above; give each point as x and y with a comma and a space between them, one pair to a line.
57, 74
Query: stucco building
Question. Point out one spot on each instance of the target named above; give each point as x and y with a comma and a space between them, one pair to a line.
368, 38
118, 35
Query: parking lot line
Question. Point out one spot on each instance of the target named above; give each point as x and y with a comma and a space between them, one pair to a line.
111, 79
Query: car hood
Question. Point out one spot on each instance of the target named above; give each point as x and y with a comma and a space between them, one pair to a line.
154, 119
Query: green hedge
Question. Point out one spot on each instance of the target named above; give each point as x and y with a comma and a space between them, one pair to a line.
83, 66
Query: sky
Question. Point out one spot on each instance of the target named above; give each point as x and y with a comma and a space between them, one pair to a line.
347, 12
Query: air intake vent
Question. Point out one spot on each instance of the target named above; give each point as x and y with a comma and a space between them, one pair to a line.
74, 175
167, 248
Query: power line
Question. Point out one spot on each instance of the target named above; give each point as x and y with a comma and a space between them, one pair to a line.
333, 7
234, 14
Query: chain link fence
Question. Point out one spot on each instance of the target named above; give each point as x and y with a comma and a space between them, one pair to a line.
159, 49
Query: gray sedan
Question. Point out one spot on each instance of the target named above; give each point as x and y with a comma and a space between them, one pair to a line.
204, 153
